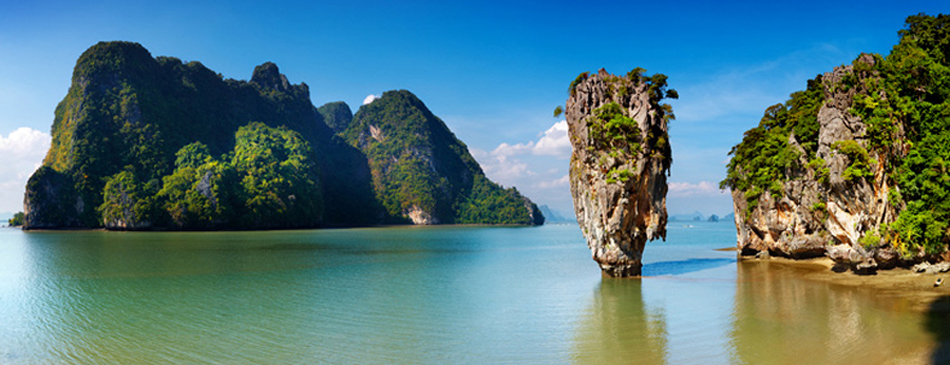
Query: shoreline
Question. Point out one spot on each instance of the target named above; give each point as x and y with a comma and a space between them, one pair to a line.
898, 283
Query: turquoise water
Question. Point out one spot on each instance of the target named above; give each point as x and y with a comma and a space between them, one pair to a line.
430, 295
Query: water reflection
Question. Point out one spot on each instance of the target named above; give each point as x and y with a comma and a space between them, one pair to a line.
780, 318
618, 328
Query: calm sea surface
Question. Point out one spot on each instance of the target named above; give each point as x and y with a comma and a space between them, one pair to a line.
434, 295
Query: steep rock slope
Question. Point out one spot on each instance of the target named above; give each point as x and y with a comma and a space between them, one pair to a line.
854, 166
621, 158
423, 174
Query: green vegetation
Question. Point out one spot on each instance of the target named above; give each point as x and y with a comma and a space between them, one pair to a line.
611, 130
870, 240
417, 163
337, 115
142, 142
860, 161
16, 221
822, 172
616, 135
761, 161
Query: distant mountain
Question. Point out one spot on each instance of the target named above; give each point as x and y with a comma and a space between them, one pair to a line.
731, 217
423, 174
551, 216
691, 217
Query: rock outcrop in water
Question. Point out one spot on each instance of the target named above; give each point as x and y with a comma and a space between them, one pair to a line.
621, 158
854, 167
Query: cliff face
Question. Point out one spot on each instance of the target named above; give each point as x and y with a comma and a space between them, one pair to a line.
823, 209
423, 174
855, 166
621, 158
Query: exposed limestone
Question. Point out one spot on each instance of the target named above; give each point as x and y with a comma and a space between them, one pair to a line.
419, 216
619, 189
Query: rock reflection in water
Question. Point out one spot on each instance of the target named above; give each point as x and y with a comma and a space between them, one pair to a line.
618, 328
781, 318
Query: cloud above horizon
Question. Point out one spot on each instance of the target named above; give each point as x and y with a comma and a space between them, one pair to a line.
552, 142
687, 189
369, 99
24, 150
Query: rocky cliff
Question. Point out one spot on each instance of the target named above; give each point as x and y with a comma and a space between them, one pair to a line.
854, 166
621, 158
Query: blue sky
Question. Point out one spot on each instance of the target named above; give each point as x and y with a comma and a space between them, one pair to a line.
493, 71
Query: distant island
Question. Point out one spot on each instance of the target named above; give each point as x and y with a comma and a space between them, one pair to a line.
142, 143
855, 167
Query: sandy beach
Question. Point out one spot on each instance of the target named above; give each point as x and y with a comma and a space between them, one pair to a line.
917, 289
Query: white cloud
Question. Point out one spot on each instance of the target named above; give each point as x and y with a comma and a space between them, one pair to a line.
504, 150
23, 151
369, 99
554, 142
702, 188
559, 182
497, 165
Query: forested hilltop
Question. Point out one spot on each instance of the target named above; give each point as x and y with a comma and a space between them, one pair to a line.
855, 167
155, 143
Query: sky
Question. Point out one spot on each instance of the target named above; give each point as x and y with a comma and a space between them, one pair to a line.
493, 71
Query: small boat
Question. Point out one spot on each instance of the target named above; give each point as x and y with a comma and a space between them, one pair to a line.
938, 282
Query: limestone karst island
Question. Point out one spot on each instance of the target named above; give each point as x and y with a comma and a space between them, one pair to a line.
855, 167
154, 143
622, 155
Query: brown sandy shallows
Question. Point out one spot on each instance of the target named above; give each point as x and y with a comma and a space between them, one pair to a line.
917, 289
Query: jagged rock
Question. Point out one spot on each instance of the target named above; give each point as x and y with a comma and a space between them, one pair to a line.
928, 268
814, 218
268, 76
619, 189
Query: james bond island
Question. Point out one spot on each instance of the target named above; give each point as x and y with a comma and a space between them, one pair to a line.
621, 158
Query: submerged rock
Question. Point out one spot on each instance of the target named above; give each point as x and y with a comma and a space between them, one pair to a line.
621, 158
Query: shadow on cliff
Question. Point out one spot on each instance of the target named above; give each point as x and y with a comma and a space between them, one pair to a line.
683, 266
937, 321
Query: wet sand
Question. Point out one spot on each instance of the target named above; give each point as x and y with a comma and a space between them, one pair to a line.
917, 289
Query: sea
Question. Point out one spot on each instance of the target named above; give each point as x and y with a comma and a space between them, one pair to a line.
431, 295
